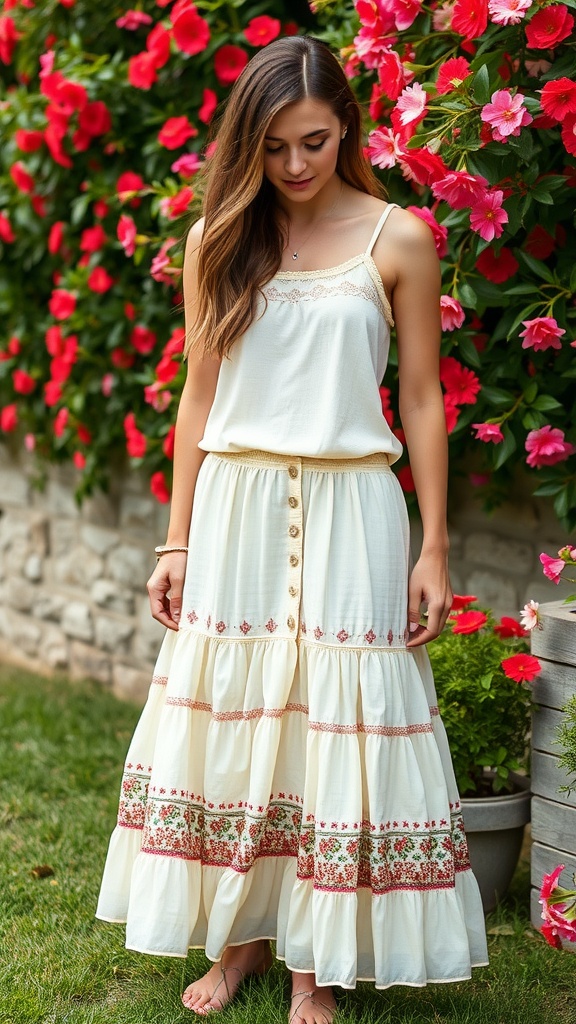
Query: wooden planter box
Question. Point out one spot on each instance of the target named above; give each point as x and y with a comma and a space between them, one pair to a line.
553, 813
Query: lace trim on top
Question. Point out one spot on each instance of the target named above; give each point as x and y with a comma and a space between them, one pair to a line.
340, 268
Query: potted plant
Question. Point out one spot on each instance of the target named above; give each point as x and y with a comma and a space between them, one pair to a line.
480, 670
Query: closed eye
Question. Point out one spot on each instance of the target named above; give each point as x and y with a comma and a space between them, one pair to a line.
308, 145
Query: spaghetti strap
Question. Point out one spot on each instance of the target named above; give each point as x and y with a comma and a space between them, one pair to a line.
381, 222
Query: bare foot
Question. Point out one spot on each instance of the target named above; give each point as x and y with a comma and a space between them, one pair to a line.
310, 1003
219, 985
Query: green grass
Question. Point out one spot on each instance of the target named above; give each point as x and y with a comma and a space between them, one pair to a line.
61, 752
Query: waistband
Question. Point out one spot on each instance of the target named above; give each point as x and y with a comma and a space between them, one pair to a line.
270, 460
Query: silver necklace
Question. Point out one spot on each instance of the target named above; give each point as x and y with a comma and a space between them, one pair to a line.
296, 254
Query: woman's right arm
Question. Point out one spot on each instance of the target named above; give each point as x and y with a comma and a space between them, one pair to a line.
195, 404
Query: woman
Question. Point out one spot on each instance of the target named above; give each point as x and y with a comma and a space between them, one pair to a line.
290, 778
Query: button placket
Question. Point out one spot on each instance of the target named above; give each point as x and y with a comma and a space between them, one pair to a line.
294, 505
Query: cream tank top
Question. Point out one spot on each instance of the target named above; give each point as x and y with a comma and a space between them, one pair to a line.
303, 379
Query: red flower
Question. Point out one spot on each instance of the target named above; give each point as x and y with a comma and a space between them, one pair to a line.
21, 178
62, 303
569, 133
521, 667
470, 18
462, 385
209, 104
509, 627
540, 243
8, 418
391, 75
158, 45
438, 230
122, 359
95, 118
135, 440
168, 443
191, 32
56, 236
24, 384
452, 412
92, 239
142, 70
261, 31
79, 460
406, 480
60, 421
52, 392
6, 233
559, 98
460, 189
461, 601
28, 141
549, 26
143, 339
175, 132
229, 62
469, 622
100, 280
423, 166
159, 487
83, 434
451, 74
167, 369
497, 266
9, 36
127, 183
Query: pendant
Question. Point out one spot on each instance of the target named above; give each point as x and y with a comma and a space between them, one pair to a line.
294, 255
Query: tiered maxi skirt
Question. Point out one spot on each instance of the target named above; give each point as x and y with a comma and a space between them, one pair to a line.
290, 777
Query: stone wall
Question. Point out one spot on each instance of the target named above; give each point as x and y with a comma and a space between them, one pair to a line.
73, 581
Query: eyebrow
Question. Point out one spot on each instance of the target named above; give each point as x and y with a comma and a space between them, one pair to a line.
310, 135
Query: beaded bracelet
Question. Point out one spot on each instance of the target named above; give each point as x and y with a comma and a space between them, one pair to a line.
166, 549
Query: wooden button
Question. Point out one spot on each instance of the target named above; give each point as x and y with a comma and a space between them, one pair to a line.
293, 502
293, 591
290, 622
293, 559
294, 531
293, 471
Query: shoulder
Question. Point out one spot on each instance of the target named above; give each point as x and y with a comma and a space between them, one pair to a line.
405, 227
194, 238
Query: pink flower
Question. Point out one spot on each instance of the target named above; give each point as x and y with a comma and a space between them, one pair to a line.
521, 667
487, 217
541, 333
451, 313
384, 147
392, 75
438, 230
126, 232
529, 616
405, 12
187, 165
508, 12
552, 567
506, 114
451, 74
460, 189
488, 432
412, 104
547, 446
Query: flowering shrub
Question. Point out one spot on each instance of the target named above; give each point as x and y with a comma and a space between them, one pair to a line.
479, 668
104, 111
473, 112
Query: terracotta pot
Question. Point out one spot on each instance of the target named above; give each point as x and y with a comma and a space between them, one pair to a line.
495, 830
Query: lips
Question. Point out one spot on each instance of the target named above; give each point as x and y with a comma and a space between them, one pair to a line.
297, 185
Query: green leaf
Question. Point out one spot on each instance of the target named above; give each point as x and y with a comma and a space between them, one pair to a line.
497, 396
486, 680
537, 267
466, 295
530, 392
506, 448
543, 197
561, 504
546, 402
469, 351
531, 420
547, 490
481, 86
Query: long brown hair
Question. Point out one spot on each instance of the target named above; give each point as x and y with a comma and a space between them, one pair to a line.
242, 243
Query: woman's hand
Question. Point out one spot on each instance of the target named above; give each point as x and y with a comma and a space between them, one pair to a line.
429, 583
167, 578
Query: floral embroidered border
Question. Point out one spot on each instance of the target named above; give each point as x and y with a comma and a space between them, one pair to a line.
216, 626
339, 857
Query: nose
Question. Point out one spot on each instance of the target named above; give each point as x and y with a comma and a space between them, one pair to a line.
295, 163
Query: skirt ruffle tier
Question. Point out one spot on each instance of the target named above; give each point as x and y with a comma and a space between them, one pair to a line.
290, 776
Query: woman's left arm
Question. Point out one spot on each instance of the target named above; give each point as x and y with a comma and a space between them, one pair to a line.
416, 305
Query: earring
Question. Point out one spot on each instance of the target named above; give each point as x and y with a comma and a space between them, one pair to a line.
343, 136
